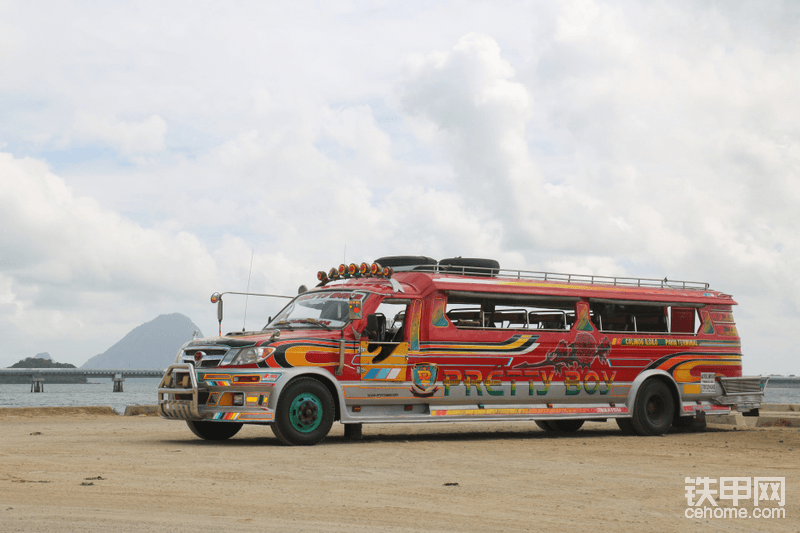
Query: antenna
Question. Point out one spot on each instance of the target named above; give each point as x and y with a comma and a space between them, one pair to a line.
249, 274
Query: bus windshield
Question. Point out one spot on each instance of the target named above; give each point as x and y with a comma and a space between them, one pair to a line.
325, 309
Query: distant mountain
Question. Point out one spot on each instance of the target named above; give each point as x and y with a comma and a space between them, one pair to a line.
151, 345
43, 355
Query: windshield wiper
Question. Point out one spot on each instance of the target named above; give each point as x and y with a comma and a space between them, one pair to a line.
285, 323
316, 322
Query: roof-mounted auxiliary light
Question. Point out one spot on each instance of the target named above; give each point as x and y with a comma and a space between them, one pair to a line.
354, 271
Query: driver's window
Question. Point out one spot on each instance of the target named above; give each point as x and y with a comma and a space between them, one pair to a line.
394, 311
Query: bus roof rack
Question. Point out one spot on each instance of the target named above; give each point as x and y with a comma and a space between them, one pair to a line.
559, 277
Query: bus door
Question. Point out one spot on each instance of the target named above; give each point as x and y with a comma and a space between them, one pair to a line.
384, 346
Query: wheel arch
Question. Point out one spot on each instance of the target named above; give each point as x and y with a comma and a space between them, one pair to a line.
314, 373
659, 375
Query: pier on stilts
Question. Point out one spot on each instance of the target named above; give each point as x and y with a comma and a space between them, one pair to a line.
117, 375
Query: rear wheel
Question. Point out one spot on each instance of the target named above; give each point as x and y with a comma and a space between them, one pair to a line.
654, 409
626, 425
304, 415
214, 430
545, 425
690, 423
561, 426
567, 426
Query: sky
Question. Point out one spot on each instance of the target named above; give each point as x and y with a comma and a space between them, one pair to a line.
151, 152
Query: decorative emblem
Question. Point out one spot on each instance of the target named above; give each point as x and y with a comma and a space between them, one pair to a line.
581, 353
355, 308
423, 377
198, 356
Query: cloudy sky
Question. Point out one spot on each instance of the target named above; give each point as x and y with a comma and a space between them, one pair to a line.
150, 150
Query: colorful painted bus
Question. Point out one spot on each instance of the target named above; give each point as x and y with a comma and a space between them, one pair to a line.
412, 339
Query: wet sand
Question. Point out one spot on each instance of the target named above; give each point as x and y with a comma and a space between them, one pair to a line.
89, 469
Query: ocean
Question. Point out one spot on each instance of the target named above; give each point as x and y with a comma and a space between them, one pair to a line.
99, 391
144, 391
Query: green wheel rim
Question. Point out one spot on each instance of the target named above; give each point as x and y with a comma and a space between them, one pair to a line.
305, 413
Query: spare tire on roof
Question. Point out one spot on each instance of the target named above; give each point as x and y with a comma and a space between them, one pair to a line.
472, 266
401, 261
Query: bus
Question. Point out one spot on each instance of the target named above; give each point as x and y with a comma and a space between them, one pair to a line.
412, 339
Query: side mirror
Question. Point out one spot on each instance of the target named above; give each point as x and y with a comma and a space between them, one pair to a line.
376, 327
216, 298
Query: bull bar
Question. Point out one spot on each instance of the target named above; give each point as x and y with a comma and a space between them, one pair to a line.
178, 409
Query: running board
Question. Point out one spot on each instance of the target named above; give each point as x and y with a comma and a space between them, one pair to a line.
374, 414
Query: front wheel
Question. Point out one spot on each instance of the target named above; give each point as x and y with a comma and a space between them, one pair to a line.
214, 430
654, 409
305, 413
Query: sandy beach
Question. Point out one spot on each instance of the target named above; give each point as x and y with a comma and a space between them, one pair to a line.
89, 469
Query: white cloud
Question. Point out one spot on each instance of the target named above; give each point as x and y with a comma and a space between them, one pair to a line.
590, 136
479, 114
66, 258
130, 138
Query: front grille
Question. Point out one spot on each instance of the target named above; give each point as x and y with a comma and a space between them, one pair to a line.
189, 352
212, 358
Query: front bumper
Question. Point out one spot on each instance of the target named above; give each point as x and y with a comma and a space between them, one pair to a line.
186, 393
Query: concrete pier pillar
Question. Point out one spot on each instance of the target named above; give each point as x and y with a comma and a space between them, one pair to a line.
37, 384
118, 379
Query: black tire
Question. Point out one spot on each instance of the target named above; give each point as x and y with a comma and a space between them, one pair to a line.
304, 415
470, 266
396, 261
560, 426
689, 423
567, 426
626, 425
214, 430
654, 409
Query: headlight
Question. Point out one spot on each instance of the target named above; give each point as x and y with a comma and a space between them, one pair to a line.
250, 356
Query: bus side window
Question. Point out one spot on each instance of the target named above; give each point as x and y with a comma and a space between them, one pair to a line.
624, 317
503, 311
683, 319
